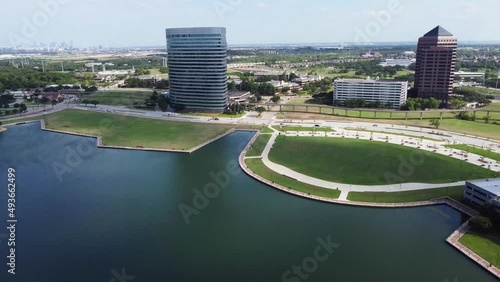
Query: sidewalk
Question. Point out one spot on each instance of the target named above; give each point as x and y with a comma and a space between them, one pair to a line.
344, 188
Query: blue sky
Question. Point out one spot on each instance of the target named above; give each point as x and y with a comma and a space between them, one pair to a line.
142, 22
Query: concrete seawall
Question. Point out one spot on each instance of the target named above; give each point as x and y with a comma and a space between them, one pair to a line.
453, 239
100, 144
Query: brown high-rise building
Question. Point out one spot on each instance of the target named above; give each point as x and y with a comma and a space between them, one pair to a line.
435, 67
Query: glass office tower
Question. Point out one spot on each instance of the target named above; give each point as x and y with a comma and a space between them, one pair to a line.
197, 63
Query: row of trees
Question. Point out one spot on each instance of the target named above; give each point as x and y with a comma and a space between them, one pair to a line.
135, 82
362, 103
317, 87
415, 104
258, 89
93, 102
6, 100
471, 95
18, 79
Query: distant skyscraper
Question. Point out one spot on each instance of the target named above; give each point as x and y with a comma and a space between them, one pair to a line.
197, 63
435, 67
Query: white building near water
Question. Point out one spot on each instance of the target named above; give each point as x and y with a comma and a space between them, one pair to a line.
483, 192
386, 91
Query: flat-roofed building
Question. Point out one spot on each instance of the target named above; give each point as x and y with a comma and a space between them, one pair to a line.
483, 192
390, 92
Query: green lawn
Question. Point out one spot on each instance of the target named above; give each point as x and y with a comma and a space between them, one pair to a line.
300, 128
258, 167
119, 130
118, 97
267, 130
475, 128
477, 151
486, 246
259, 145
456, 193
363, 162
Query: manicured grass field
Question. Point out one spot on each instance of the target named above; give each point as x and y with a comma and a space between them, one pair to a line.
259, 145
475, 128
267, 130
486, 246
456, 193
126, 131
363, 162
299, 128
125, 98
258, 167
477, 151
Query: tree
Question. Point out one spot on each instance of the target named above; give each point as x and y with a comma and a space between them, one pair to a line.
54, 102
275, 99
179, 107
163, 103
44, 101
154, 97
85, 102
377, 104
231, 86
285, 90
94, 102
457, 103
163, 70
481, 223
435, 122
260, 110
433, 103
23, 108
16, 106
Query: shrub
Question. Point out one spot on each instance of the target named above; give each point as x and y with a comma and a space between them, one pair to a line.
481, 223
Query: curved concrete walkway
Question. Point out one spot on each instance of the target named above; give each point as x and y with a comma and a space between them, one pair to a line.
344, 188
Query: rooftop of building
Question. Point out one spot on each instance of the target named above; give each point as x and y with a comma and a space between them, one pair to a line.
438, 31
236, 93
369, 80
491, 185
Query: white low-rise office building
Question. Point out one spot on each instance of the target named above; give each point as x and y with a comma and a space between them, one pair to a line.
386, 91
483, 192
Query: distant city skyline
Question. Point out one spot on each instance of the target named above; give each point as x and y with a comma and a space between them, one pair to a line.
126, 23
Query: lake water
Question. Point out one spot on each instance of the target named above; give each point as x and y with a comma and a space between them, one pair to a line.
113, 215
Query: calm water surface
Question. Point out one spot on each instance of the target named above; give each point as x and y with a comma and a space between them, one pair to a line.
113, 210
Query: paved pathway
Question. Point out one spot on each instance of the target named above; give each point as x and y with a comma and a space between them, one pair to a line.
344, 188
